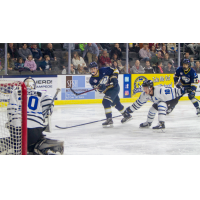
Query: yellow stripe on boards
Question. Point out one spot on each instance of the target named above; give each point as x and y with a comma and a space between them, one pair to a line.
97, 101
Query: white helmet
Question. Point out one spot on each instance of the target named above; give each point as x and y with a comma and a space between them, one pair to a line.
30, 83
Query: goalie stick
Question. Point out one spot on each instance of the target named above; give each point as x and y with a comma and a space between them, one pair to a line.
83, 124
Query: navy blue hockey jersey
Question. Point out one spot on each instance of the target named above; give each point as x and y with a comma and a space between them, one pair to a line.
104, 76
187, 78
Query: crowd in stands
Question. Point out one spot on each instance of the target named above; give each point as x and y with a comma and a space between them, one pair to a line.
143, 57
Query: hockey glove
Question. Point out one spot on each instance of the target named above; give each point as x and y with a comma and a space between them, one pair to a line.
102, 87
114, 81
179, 85
192, 95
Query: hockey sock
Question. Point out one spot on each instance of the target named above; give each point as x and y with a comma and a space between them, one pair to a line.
151, 114
162, 107
195, 103
120, 107
107, 106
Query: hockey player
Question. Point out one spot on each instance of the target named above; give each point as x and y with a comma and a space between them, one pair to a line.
105, 80
164, 99
38, 103
189, 81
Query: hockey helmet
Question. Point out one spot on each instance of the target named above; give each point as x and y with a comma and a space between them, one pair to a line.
30, 83
93, 64
186, 61
147, 83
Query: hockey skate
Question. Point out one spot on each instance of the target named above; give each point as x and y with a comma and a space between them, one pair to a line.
108, 123
127, 117
198, 112
161, 125
145, 125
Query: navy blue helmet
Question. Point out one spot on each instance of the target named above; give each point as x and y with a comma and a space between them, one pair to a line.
186, 61
93, 64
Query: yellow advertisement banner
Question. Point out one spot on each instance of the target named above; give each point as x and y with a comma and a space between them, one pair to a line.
166, 80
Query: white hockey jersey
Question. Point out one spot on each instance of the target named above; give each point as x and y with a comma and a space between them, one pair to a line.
37, 104
161, 94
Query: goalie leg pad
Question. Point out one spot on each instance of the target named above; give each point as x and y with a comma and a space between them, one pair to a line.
49, 147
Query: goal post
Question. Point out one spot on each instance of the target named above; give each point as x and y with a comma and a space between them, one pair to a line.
13, 117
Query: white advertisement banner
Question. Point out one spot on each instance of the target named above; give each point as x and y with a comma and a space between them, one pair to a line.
48, 84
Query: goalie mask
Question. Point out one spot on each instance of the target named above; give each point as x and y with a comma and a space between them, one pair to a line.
30, 83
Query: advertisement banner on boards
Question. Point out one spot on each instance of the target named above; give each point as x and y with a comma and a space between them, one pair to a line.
79, 84
166, 80
127, 85
198, 87
43, 83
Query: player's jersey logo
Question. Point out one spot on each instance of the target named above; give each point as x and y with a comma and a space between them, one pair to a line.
104, 80
95, 80
138, 84
186, 79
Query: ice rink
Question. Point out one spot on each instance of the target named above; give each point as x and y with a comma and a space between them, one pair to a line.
180, 137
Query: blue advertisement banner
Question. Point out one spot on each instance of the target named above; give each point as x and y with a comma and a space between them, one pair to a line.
79, 84
127, 85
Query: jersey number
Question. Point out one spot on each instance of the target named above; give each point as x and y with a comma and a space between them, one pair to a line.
167, 91
32, 103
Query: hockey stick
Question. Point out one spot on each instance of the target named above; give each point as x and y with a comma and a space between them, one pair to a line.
83, 124
82, 92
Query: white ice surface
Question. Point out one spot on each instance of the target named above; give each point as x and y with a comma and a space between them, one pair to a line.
180, 137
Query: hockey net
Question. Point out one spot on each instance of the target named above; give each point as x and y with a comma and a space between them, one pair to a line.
13, 136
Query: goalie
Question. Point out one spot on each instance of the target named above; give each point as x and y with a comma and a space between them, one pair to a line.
37, 105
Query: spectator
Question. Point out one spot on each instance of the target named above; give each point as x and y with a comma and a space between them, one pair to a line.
104, 60
92, 52
153, 51
10, 63
129, 68
81, 70
137, 68
73, 49
13, 51
115, 58
72, 70
134, 47
148, 69
153, 44
49, 52
187, 56
120, 68
46, 64
82, 46
30, 63
192, 47
24, 52
64, 61
197, 67
77, 60
163, 51
169, 68
20, 63
2, 53
37, 54
155, 60
192, 62
144, 53
166, 60
159, 69
171, 47
116, 50
106, 46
